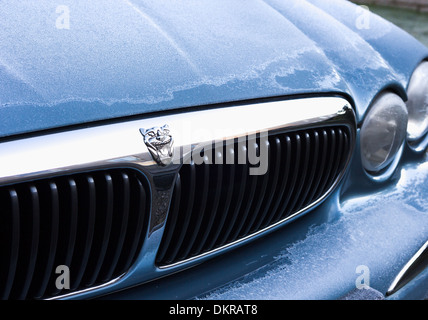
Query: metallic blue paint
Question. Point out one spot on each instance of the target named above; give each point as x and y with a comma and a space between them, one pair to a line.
123, 58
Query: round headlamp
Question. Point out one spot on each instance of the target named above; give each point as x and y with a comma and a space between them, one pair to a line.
417, 104
383, 132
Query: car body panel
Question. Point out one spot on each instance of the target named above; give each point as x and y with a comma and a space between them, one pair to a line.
142, 60
180, 56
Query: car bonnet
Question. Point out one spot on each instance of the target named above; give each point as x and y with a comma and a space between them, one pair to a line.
85, 61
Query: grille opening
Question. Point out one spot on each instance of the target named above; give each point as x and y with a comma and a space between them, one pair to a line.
94, 223
215, 205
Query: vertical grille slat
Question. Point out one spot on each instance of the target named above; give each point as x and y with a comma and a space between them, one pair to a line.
14, 238
284, 177
345, 146
331, 149
86, 224
261, 190
225, 203
247, 203
312, 180
68, 226
33, 230
240, 190
296, 154
120, 219
199, 211
172, 220
275, 162
311, 168
212, 209
301, 181
303, 167
73, 202
323, 140
48, 245
188, 205
141, 206
105, 214
68, 220
339, 141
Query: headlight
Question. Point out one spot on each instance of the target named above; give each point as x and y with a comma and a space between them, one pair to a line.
383, 132
417, 105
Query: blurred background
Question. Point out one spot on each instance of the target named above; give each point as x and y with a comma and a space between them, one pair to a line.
411, 15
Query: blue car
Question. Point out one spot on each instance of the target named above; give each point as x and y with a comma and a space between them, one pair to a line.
211, 150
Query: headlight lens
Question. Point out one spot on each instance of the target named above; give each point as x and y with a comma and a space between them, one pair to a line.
383, 132
417, 105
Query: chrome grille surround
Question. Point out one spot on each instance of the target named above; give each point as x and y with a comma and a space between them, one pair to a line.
120, 145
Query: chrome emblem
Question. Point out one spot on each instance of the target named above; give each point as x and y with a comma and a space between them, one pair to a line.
159, 142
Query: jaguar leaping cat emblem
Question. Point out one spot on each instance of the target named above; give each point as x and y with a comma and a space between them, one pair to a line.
159, 142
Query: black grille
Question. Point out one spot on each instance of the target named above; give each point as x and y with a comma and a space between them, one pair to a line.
214, 205
93, 223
